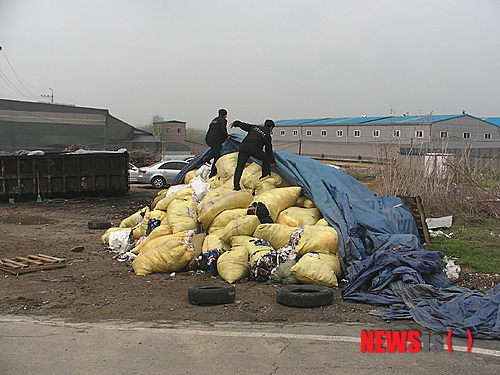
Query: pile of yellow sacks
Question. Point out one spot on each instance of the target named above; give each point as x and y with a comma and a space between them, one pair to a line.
220, 220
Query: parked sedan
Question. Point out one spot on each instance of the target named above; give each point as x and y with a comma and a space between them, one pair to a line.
160, 174
133, 171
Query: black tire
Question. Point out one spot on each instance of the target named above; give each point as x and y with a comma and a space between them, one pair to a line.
99, 224
211, 294
305, 295
158, 182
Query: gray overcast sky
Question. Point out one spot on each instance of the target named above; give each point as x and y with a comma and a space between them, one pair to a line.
279, 59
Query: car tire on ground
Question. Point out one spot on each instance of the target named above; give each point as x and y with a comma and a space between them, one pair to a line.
99, 224
158, 182
305, 295
211, 294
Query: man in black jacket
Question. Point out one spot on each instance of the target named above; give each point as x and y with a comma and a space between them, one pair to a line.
215, 137
257, 137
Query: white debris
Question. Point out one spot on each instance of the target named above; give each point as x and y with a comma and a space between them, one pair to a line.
451, 269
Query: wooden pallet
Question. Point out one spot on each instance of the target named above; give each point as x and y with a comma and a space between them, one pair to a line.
417, 210
31, 263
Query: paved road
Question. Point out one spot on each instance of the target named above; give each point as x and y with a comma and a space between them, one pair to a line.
30, 345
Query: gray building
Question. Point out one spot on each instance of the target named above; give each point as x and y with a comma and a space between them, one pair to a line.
54, 127
352, 137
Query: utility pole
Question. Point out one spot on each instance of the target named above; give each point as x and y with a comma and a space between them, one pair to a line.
51, 96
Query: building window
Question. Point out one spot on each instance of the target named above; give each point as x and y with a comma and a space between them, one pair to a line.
443, 134
295, 133
487, 135
178, 130
282, 132
396, 133
376, 133
357, 133
324, 133
466, 135
309, 133
419, 134
168, 130
340, 133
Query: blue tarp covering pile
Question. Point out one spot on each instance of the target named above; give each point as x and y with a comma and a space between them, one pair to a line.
380, 251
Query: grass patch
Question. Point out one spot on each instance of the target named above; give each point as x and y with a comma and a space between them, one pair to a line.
475, 243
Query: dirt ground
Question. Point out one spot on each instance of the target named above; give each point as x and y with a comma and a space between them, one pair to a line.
94, 286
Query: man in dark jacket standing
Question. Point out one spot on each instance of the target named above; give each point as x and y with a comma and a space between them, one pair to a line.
257, 137
215, 137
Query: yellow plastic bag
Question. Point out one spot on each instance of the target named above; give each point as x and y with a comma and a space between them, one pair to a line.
190, 175
226, 165
135, 218
276, 200
244, 225
227, 201
319, 239
222, 219
162, 230
278, 235
181, 215
322, 222
169, 253
297, 216
185, 192
319, 269
232, 265
305, 202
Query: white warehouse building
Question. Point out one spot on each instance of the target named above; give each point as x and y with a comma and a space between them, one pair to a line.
369, 138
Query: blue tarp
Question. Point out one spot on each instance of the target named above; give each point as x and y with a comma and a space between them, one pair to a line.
379, 248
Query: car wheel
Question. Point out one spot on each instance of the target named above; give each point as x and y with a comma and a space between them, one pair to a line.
305, 295
158, 182
211, 293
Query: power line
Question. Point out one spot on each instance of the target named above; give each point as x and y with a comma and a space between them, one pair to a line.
15, 74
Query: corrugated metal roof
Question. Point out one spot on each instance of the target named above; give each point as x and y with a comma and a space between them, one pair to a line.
297, 121
492, 120
379, 120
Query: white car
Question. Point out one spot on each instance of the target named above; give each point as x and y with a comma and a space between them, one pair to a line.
132, 173
160, 174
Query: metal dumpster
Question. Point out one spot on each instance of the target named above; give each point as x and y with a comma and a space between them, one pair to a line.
65, 175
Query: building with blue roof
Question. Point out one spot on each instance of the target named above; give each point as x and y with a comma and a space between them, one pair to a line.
364, 137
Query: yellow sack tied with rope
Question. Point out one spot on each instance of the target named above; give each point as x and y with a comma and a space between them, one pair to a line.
227, 201
213, 242
190, 175
319, 269
179, 194
278, 235
297, 216
318, 239
135, 218
162, 230
169, 253
305, 202
232, 265
213, 194
276, 200
242, 226
222, 219
226, 165
181, 215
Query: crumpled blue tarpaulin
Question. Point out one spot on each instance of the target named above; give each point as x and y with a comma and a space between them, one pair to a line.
379, 247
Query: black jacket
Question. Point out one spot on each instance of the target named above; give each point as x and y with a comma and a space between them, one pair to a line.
258, 136
217, 130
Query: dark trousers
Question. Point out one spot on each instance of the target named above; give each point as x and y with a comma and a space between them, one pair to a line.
243, 156
215, 148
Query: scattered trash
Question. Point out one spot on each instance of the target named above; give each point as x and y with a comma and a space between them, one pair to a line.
451, 269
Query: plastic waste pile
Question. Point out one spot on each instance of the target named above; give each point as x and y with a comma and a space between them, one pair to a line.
268, 231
